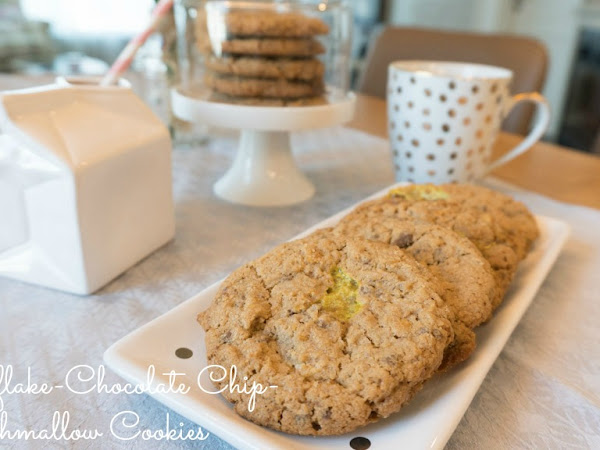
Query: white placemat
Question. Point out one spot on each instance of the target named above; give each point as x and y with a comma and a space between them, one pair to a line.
544, 390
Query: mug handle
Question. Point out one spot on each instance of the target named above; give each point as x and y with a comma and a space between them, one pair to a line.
541, 125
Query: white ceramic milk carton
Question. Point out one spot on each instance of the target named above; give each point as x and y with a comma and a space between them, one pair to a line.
85, 184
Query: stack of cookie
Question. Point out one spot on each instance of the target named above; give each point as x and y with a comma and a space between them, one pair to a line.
266, 58
350, 322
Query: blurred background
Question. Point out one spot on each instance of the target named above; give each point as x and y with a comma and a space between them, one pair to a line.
71, 37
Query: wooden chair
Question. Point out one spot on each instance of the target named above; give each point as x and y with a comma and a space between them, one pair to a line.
526, 57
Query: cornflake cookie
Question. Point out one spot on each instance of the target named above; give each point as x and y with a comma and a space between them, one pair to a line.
348, 330
290, 69
273, 24
465, 276
255, 101
273, 47
513, 222
259, 87
476, 218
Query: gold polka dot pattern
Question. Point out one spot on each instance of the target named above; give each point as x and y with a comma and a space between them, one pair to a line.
447, 127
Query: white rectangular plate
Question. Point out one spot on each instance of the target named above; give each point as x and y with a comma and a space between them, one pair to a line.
427, 422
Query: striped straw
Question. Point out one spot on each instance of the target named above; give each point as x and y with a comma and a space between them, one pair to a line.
126, 56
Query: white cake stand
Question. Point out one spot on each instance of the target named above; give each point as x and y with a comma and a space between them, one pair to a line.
264, 172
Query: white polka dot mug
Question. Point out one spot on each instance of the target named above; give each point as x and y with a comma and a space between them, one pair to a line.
443, 118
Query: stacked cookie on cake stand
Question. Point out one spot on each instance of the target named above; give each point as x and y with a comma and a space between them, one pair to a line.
268, 59
266, 69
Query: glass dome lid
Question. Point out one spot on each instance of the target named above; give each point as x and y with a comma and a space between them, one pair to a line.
265, 53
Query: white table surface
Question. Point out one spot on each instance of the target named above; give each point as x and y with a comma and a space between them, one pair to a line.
542, 392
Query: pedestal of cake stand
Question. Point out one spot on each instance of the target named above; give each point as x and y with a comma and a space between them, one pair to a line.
263, 172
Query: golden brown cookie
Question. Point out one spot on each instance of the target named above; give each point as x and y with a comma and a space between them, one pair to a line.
514, 223
287, 68
273, 24
271, 47
264, 88
466, 278
472, 215
460, 348
254, 101
347, 329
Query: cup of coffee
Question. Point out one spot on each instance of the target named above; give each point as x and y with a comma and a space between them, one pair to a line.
443, 118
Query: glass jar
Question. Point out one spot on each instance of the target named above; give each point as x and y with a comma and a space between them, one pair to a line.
266, 53
154, 72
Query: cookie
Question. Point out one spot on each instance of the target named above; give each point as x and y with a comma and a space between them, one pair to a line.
462, 346
254, 101
466, 277
501, 257
273, 24
271, 47
348, 329
450, 206
258, 87
514, 223
287, 68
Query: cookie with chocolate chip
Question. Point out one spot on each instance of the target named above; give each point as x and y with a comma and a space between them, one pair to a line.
305, 69
513, 223
245, 87
272, 47
465, 276
258, 101
269, 23
348, 329
502, 229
